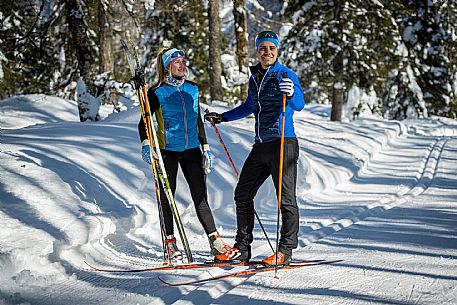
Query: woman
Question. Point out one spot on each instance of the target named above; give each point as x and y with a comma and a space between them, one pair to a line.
174, 100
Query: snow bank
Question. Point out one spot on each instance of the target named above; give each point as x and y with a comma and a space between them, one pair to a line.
25, 110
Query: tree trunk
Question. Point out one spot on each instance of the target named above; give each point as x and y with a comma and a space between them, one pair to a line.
239, 14
79, 42
338, 69
106, 38
338, 88
215, 66
106, 52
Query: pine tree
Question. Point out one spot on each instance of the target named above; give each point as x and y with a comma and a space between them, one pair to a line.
422, 84
334, 45
182, 24
105, 37
449, 23
27, 47
81, 44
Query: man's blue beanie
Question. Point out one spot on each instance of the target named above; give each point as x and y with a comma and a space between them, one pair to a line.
266, 36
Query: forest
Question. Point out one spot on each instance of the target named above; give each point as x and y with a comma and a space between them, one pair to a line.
396, 59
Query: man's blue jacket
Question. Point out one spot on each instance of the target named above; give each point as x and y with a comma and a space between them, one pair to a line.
265, 102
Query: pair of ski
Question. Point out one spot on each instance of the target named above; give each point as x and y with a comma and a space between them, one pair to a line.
254, 267
157, 165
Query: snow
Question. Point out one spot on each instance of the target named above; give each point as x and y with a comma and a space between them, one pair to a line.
379, 194
409, 34
233, 75
416, 89
360, 103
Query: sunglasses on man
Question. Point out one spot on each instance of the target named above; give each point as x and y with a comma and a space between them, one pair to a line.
267, 34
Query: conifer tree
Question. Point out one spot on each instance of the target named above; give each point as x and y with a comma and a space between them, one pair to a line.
334, 45
182, 24
26, 47
421, 85
80, 43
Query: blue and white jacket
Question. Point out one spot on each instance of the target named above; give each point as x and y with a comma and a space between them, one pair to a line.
265, 101
177, 111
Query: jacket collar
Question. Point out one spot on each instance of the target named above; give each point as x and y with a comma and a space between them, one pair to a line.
256, 68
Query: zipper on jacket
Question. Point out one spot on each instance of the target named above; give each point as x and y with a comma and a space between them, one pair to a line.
258, 101
185, 118
167, 127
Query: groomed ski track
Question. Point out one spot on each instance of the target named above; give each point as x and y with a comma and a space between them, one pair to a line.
379, 195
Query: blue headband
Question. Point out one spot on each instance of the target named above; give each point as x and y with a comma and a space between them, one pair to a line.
171, 55
266, 36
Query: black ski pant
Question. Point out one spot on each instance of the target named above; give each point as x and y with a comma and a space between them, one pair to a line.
262, 162
191, 166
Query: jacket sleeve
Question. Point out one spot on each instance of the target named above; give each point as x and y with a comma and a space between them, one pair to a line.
154, 104
201, 129
240, 111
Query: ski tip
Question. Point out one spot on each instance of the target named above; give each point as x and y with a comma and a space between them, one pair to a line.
168, 284
333, 262
90, 266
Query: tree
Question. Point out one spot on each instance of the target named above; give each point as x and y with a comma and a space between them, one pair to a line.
105, 37
181, 24
80, 43
449, 12
215, 66
335, 45
240, 27
27, 48
422, 83
338, 69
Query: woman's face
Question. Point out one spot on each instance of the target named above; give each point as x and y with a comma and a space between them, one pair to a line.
178, 67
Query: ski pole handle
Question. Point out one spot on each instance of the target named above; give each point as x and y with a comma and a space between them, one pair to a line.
223, 144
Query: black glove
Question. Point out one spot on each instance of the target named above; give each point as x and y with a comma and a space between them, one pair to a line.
215, 117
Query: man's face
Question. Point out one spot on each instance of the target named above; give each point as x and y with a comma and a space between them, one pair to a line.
267, 54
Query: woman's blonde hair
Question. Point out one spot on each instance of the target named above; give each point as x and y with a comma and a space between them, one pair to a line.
160, 68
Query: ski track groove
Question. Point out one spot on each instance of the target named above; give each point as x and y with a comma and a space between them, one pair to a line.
426, 176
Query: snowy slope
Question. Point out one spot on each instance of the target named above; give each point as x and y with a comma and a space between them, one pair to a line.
381, 195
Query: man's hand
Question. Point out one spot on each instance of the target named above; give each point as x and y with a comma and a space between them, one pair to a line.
287, 86
215, 117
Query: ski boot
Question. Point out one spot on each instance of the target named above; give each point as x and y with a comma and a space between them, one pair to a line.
283, 259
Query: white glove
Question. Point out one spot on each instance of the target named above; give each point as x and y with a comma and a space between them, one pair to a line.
287, 86
207, 163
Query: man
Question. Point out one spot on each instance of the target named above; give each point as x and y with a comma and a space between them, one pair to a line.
268, 83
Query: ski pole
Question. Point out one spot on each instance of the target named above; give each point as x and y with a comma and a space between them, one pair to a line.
281, 164
237, 175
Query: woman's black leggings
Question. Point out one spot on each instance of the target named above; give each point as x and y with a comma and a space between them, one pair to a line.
191, 165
